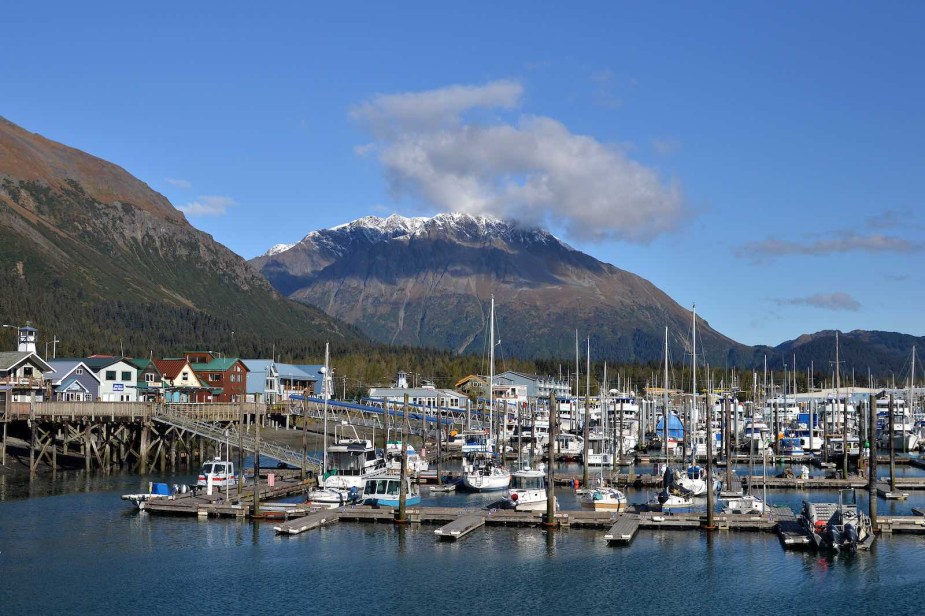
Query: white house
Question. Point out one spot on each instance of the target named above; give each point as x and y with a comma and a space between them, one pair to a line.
118, 378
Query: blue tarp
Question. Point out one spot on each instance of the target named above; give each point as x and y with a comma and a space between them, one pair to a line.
675, 427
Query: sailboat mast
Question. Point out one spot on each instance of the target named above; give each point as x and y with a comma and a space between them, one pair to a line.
665, 400
325, 394
491, 369
693, 416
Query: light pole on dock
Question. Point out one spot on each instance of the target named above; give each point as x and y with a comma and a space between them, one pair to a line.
402, 490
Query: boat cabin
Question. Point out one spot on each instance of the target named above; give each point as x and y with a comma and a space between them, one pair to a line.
221, 471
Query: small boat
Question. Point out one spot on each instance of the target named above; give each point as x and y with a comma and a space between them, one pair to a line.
155, 491
219, 472
528, 490
416, 462
838, 527
747, 504
604, 499
444, 488
331, 498
484, 474
385, 491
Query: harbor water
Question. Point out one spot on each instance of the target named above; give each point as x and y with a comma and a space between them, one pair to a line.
71, 546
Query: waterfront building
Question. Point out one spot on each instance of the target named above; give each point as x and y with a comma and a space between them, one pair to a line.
71, 380
118, 377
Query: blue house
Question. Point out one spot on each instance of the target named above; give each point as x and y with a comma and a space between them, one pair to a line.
72, 381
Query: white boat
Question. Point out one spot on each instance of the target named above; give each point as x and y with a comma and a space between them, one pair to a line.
416, 462
483, 473
603, 498
527, 491
220, 472
598, 454
155, 491
350, 462
744, 504
333, 497
567, 446
693, 481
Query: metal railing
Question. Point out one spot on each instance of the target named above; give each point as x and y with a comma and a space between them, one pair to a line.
182, 420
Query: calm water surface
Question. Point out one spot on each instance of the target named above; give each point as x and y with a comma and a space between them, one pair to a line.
74, 547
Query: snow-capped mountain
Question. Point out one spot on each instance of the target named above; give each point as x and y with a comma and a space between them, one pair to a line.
427, 281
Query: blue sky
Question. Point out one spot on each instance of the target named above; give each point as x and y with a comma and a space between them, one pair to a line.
762, 160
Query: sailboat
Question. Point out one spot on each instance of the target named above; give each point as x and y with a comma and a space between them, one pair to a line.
483, 471
694, 481
672, 497
750, 503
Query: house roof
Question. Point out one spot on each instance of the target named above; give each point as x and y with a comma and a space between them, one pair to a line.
62, 368
170, 368
98, 362
417, 392
222, 364
12, 359
68, 382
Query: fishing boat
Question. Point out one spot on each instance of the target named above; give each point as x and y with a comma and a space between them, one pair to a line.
790, 446
385, 491
838, 527
219, 472
528, 490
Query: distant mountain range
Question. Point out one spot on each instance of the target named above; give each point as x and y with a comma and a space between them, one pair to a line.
94, 256
428, 282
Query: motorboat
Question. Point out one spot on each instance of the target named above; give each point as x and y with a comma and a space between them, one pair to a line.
385, 491
350, 462
333, 497
598, 454
839, 527
746, 504
155, 491
567, 446
483, 473
528, 490
417, 463
220, 473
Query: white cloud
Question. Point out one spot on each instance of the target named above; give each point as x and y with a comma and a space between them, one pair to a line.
207, 205
184, 184
828, 301
532, 169
666, 146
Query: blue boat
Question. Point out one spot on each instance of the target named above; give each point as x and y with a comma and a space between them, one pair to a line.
383, 491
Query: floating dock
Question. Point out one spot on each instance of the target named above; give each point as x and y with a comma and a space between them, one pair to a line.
624, 529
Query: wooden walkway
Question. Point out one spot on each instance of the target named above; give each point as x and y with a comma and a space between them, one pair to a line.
884, 490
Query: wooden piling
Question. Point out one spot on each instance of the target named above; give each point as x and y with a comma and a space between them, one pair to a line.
401, 518
550, 520
872, 466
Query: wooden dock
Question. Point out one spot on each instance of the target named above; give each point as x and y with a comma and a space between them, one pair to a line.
884, 490
789, 531
227, 503
462, 526
308, 522
624, 529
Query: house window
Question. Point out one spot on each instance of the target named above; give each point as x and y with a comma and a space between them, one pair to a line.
110, 375
185, 376
79, 371
149, 378
27, 371
215, 377
126, 376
